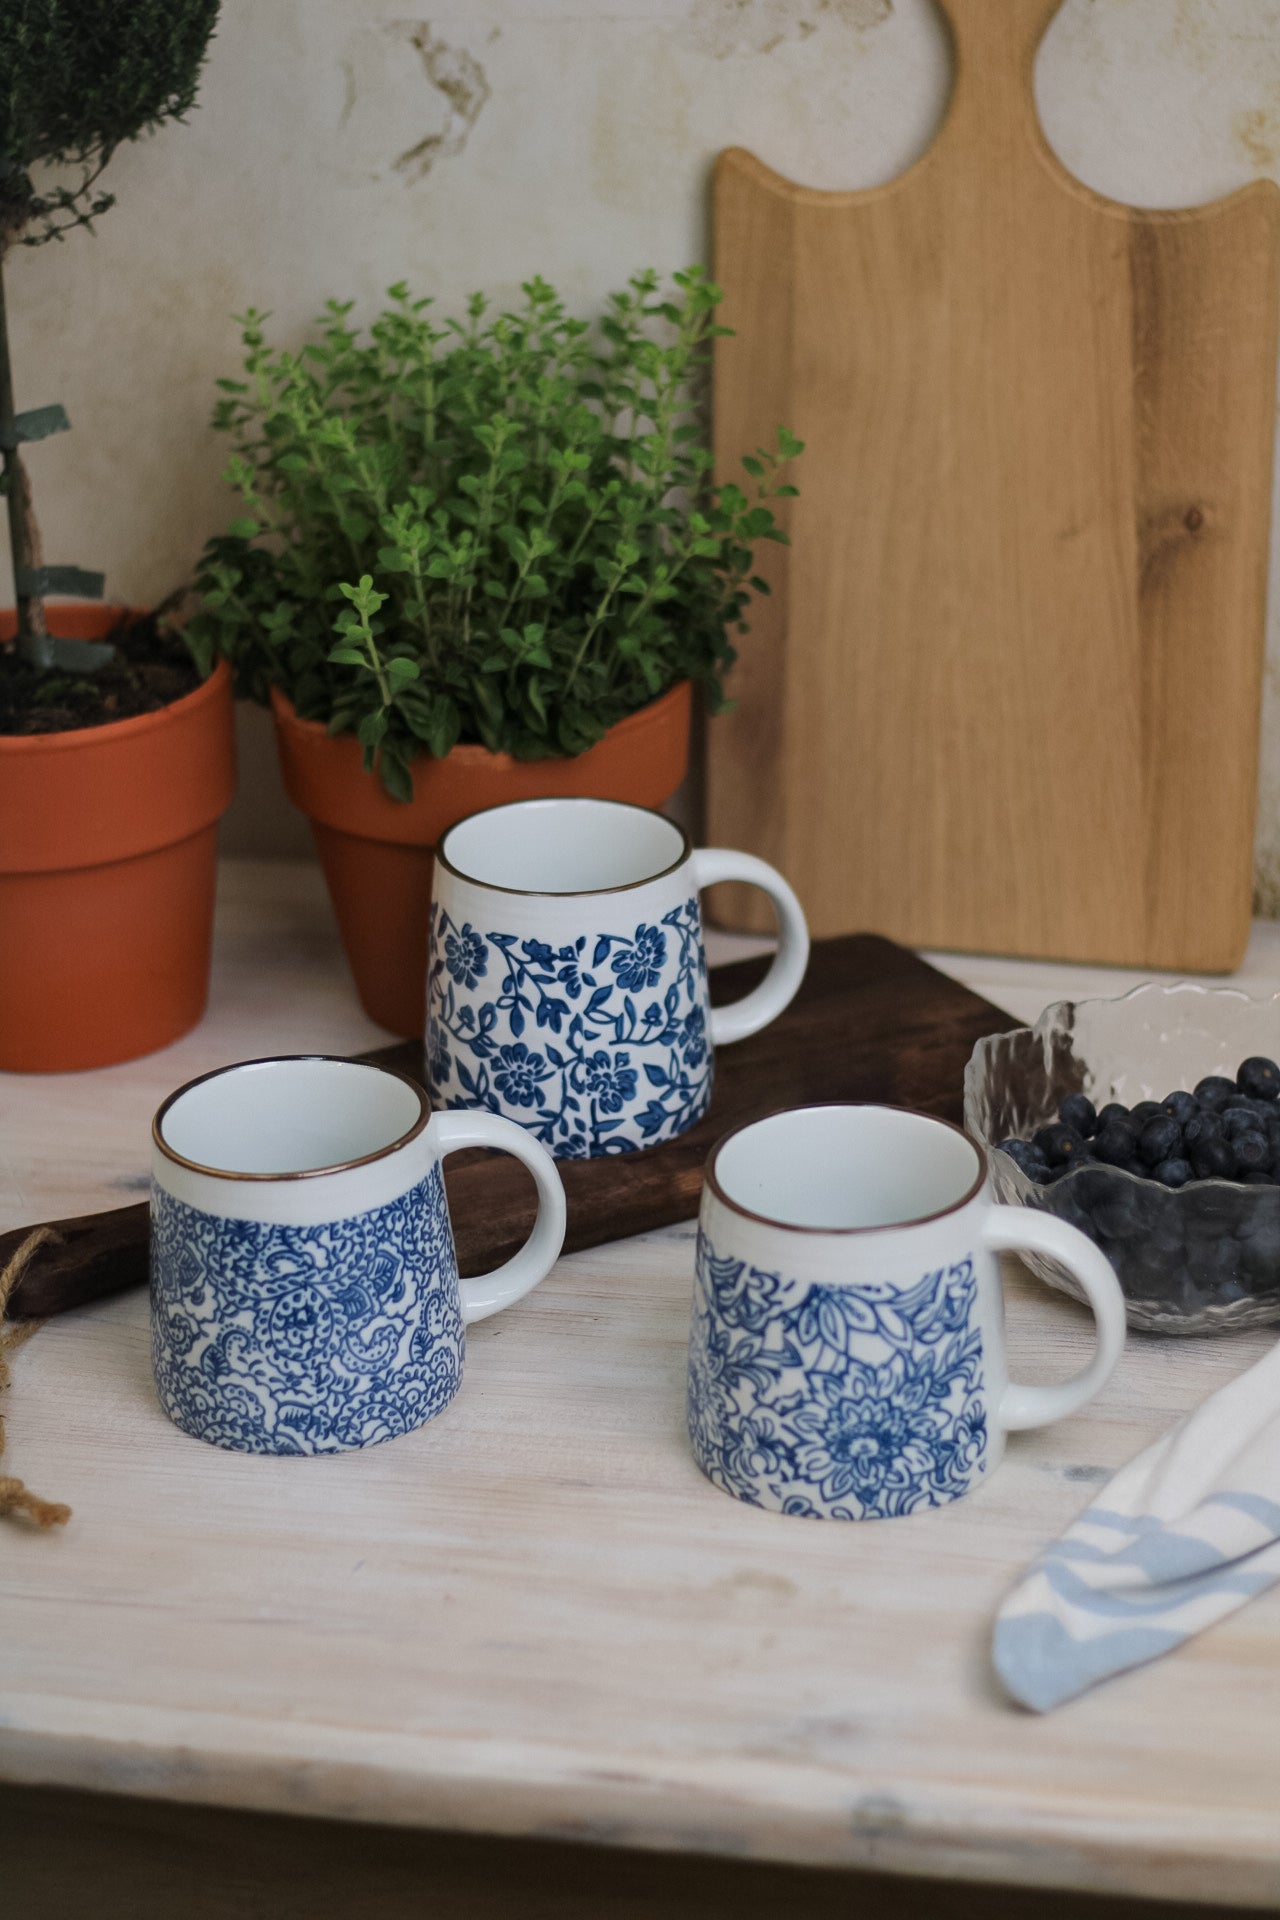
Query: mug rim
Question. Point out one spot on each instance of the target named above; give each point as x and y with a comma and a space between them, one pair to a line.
843, 1106
297, 1173
564, 893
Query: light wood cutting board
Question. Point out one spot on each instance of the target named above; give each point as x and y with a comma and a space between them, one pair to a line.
1005, 695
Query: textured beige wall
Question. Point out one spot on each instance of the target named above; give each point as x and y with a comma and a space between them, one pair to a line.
343, 144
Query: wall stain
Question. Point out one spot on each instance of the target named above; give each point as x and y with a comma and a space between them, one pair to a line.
1258, 132
348, 92
459, 79
724, 27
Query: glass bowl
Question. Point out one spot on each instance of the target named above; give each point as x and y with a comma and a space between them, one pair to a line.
1196, 1259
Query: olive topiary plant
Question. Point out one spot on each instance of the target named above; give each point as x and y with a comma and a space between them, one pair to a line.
77, 79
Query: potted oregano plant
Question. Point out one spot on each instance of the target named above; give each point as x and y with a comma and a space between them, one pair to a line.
116, 755
478, 559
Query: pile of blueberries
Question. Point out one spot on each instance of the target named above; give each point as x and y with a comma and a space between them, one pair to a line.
1222, 1130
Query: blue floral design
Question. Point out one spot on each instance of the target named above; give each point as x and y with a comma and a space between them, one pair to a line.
596, 1046
516, 1073
439, 1061
277, 1339
465, 956
613, 1082
640, 966
850, 1402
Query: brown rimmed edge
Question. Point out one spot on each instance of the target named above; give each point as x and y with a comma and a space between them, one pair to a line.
841, 1106
290, 1059
567, 893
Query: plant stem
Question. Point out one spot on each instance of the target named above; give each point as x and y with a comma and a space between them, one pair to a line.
34, 644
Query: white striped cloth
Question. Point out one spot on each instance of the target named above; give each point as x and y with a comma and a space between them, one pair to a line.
1181, 1537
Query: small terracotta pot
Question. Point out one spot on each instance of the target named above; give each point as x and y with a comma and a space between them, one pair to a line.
377, 853
108, 848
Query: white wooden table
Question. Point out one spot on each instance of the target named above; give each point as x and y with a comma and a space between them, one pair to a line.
535, 1617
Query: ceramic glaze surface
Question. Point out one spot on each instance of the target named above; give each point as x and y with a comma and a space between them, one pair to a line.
840, 1402
598, 1043
847, 1354
566, 976
272, 1338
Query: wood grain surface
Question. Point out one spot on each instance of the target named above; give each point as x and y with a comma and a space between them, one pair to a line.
535, 1616
1024, 600
871, 1022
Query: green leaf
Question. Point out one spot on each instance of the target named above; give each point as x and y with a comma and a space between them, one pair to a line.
492, 466
393, 769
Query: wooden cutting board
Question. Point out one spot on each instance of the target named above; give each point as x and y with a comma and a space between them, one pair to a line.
1005, 696
870, 1022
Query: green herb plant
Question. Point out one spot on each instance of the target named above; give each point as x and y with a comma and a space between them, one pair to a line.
499, 529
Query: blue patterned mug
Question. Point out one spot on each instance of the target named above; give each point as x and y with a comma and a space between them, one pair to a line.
305, 1295
847, 1357
566, 977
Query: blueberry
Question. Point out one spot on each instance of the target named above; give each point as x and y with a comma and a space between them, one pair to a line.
1159, 1139
1059, 1145
1213, 1159
1238, 1120
1201, 1126
1215, 1091
1144, 1111
1256, 1178
1181, 1106
1024, 1155
1115, 1143
1173, 1173
1253, 1152
1116, 1211
1259, 1076
1079, 1112
1112, 1111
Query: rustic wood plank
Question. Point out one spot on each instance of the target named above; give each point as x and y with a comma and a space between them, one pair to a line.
1026, 586
536, 1618
871, 1022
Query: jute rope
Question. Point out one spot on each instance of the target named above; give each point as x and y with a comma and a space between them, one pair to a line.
16, 1501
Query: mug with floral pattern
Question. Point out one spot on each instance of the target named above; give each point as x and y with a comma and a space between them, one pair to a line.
567, 981
305, 1295
846, 1357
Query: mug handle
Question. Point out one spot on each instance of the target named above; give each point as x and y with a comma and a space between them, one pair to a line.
1020, 1230
779, 987
486, 1293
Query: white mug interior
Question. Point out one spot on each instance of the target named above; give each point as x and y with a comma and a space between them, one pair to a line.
845, 1168
563, 846
289, 1116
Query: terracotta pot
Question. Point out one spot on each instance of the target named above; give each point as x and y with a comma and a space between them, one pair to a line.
377, 852
108, 845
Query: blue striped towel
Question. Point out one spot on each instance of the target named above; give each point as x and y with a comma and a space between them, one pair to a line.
1181, 1537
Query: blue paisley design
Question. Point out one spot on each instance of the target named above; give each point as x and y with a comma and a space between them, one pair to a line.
600, 1046
854, 1403
275, 1339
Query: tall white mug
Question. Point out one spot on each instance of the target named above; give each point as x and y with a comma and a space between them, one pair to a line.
566, 977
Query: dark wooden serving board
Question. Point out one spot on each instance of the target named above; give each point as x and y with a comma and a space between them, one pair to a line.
871, 1022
